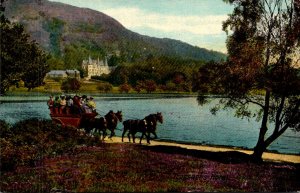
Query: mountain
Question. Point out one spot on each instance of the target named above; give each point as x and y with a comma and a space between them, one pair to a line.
55, 26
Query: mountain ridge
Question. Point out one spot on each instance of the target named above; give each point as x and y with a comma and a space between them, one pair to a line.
56, 25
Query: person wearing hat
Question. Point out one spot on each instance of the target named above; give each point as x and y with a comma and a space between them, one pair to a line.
69, 105
77, 104
56, 104
50, 104
62, 103
91, 104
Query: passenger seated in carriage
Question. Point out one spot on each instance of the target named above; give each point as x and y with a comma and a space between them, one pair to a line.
63, 104
91, 104
50, 104
69, 105
56, 104
86, 108
77, 105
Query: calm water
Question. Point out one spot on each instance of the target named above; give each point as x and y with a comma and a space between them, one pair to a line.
184, 120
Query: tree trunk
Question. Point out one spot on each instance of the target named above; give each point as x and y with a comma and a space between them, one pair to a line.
259, 149
261, 144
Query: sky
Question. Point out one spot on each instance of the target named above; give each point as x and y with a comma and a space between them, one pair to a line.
196, 22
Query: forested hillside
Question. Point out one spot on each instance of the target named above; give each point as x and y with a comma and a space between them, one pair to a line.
70, 34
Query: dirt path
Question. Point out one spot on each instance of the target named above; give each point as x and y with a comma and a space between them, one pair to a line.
276, 157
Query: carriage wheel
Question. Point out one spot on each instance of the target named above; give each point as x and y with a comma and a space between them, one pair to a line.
58, 122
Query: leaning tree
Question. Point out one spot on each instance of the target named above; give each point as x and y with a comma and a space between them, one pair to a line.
262, 67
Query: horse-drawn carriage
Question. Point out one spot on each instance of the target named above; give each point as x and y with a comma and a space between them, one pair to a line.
88, 121
75, 120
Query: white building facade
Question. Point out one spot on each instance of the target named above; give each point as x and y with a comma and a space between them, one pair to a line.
95, 67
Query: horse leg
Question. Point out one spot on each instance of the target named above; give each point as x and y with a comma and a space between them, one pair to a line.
142, 137
133, 137
148, 138
128, 135
110, 136
154, 133
104, 133
113, 132
124, 131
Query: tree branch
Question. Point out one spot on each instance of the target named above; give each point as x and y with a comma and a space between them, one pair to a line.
247, 101
278, 113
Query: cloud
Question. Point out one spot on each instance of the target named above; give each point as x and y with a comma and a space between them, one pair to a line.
199, 25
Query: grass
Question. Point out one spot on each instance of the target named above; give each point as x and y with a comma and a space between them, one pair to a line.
53, 87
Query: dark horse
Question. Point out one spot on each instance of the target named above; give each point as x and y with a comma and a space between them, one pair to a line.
146, 126
112, 121
134, 126
99, 124
152, 122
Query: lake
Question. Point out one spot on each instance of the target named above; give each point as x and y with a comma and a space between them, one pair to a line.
184, 120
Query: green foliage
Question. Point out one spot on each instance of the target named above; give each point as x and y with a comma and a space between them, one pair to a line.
139, 86
103, 77
70, 84
208, 79
86, 27
105, 87
114, 60
38, 68
74, 54
55, 63
21, 58
55, 27
161, 69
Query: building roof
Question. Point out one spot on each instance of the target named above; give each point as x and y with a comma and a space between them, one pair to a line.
72, 71
63, 72
57, 72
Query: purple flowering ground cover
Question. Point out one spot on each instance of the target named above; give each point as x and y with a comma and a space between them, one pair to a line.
79, 163
130, 168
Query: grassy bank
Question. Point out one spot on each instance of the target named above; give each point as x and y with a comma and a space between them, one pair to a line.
36, 96
54, 87
37, 156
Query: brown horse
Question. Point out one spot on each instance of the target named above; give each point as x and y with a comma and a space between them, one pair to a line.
133, 126
99, 124
152, 120
146, 126
112, 121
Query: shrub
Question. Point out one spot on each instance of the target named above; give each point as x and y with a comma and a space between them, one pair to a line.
150, 85
170, 86
4, 129
124, 88
70, 84
27, 141
105, 86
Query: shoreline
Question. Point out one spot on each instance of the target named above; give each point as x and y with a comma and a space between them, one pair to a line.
44, 97
267, 156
